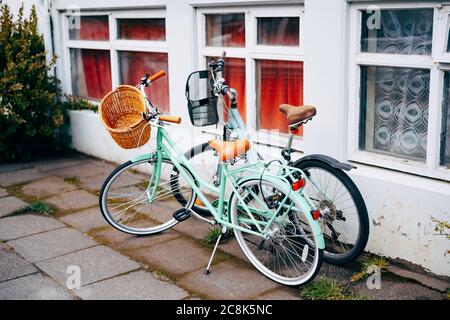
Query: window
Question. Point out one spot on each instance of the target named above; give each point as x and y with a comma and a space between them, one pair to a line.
399, 88
277, 81
280, 31
445, 125
142, 29
91, 28
264, 58
91, 73
225, 30
105, 50
394, 111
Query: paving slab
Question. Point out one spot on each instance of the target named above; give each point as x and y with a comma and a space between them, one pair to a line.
86, 169
94, 183
193, 227
47, 187
13, 266
33, 287
279, 294
395, 289
53, 164
139, 285
227, 280
176, 256
10, 178
12, 166
231, 246
3, 193
26, 224
96, 263
73, 200
124, 241
85, 220
339, 274
50, 244
424, 279
11, 204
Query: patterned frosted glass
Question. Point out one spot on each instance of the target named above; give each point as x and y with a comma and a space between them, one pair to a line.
394, 111
404, 31
445, 128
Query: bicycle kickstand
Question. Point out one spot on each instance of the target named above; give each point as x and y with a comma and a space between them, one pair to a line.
224, 229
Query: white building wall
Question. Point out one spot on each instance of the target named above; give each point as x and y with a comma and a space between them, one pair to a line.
400, 205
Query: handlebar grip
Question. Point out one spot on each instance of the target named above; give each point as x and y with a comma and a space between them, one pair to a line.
157, 75
172, 119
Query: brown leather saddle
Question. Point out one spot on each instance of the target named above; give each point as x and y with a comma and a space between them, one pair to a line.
297, 115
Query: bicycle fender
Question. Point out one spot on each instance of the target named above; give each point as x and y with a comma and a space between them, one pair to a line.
328, 160
284, 187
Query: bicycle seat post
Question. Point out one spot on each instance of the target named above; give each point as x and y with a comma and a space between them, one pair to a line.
286, 152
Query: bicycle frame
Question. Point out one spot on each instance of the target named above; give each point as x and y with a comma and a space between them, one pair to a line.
167, 149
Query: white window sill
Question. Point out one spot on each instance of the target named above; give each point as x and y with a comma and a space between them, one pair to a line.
400, 164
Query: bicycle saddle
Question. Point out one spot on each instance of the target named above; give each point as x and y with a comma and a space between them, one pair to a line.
227, 150
296, 114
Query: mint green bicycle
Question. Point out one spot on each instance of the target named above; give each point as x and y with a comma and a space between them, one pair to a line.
264, 203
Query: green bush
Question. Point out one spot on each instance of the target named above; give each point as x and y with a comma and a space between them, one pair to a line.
31, 113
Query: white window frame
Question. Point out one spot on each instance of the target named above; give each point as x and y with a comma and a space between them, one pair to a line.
435, 63
250, 53
114, 45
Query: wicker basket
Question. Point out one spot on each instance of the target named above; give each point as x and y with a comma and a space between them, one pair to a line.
121, 113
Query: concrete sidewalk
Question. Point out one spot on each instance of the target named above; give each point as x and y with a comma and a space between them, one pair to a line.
38, 253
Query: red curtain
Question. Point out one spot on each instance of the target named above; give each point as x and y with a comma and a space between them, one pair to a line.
233, 30
234, 74
92, 28
91, 73
133, 65
278, 82
279, 31
142, 29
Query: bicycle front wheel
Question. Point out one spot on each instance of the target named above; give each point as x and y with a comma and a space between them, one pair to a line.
291, 255
140, 197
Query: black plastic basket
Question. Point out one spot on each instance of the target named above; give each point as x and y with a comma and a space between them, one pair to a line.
202, 103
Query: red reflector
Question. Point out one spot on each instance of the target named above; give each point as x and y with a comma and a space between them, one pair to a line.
297, 185
316, 214
295, 131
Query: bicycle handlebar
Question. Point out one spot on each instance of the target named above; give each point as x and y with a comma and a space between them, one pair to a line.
157, 75
172, 119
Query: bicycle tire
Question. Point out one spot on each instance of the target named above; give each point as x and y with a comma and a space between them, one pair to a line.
363, 234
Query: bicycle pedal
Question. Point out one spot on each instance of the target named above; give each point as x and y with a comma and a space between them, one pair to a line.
181, 214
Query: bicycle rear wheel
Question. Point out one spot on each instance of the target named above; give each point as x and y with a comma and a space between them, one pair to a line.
345, 223
291, 255
127, 201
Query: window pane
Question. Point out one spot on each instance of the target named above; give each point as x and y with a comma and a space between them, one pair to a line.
91, 73
279, 31
133, 65
448, 41
445, 131
277, 82
142, 29
405, 31
394, 111
90, 28
225, 30
234, 74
